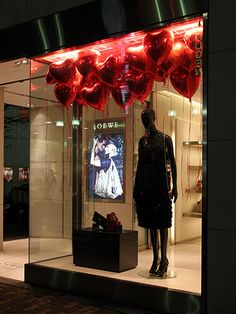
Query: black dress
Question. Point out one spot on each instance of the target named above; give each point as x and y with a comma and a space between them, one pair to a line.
152, 201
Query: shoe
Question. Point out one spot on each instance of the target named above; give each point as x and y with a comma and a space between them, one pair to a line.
162, 269
153, 268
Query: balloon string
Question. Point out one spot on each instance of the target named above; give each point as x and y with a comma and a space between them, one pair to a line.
181, 179
107, 109
46, 134
182, 158
69, 140
201, 107
126, 138
123, 115
199, 174
164, 119
188, 155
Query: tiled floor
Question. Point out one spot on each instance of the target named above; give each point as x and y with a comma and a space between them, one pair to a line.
12, 259
185, 261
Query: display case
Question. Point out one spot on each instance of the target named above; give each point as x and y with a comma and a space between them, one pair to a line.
86, 105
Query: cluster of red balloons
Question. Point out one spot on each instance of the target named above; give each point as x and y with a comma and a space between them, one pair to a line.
91, 78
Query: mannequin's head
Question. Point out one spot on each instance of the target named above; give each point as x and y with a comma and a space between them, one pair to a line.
148, 118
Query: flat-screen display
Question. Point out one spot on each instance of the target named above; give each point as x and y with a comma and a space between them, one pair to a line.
23, 174
8, 174
106, 160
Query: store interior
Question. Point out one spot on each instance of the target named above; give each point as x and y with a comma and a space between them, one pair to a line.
52, 172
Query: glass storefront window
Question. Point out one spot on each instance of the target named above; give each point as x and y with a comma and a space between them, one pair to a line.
51, 173
112, 82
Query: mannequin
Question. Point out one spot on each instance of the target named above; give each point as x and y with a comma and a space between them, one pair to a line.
152, 193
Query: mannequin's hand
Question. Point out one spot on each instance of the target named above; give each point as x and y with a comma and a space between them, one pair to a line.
174, 195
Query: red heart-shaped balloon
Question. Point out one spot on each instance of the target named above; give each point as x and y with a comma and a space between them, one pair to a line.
63, 72
136, 58
88, 82
109, 71
80, 100
86, 61
65, 94
185, 82
189, 60
50, 79
140, 85
95, 96
122, 95
78, 79
194, 38
159, 46
174, 59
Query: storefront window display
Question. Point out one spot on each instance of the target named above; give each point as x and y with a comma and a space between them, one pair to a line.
108, 84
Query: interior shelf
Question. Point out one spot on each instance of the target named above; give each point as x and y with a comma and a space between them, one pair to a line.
193, 143
195, 166
193, 214
193, 191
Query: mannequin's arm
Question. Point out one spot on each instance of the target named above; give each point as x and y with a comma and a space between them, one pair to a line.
173, 168
136, 192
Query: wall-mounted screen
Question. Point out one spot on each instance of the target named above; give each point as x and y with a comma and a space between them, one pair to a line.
8, 174
106, 160
23, 174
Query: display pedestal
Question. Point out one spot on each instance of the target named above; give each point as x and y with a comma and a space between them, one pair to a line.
145, 273
112, 251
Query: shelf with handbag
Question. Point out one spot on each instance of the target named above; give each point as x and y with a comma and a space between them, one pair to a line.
196, 210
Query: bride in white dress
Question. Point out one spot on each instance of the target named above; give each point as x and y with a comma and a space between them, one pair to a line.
107, 182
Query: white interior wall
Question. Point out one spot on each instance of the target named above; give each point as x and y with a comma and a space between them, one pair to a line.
123, 210
185, 126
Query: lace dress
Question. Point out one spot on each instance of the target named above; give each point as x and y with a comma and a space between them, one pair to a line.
151, 196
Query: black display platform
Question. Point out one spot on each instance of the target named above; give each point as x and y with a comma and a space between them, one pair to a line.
112, 251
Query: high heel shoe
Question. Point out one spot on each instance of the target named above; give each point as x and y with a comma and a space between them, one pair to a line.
153, 268
162, 269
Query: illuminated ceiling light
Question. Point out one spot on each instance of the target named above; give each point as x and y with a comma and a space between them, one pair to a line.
133, 40
48, 122
60, 123
178, 45
75, 122
172, 113
69, 137
36, 133
85, 128
18, 63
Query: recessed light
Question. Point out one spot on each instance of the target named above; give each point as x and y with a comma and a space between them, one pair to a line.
172, 113
60, 123
75, 122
